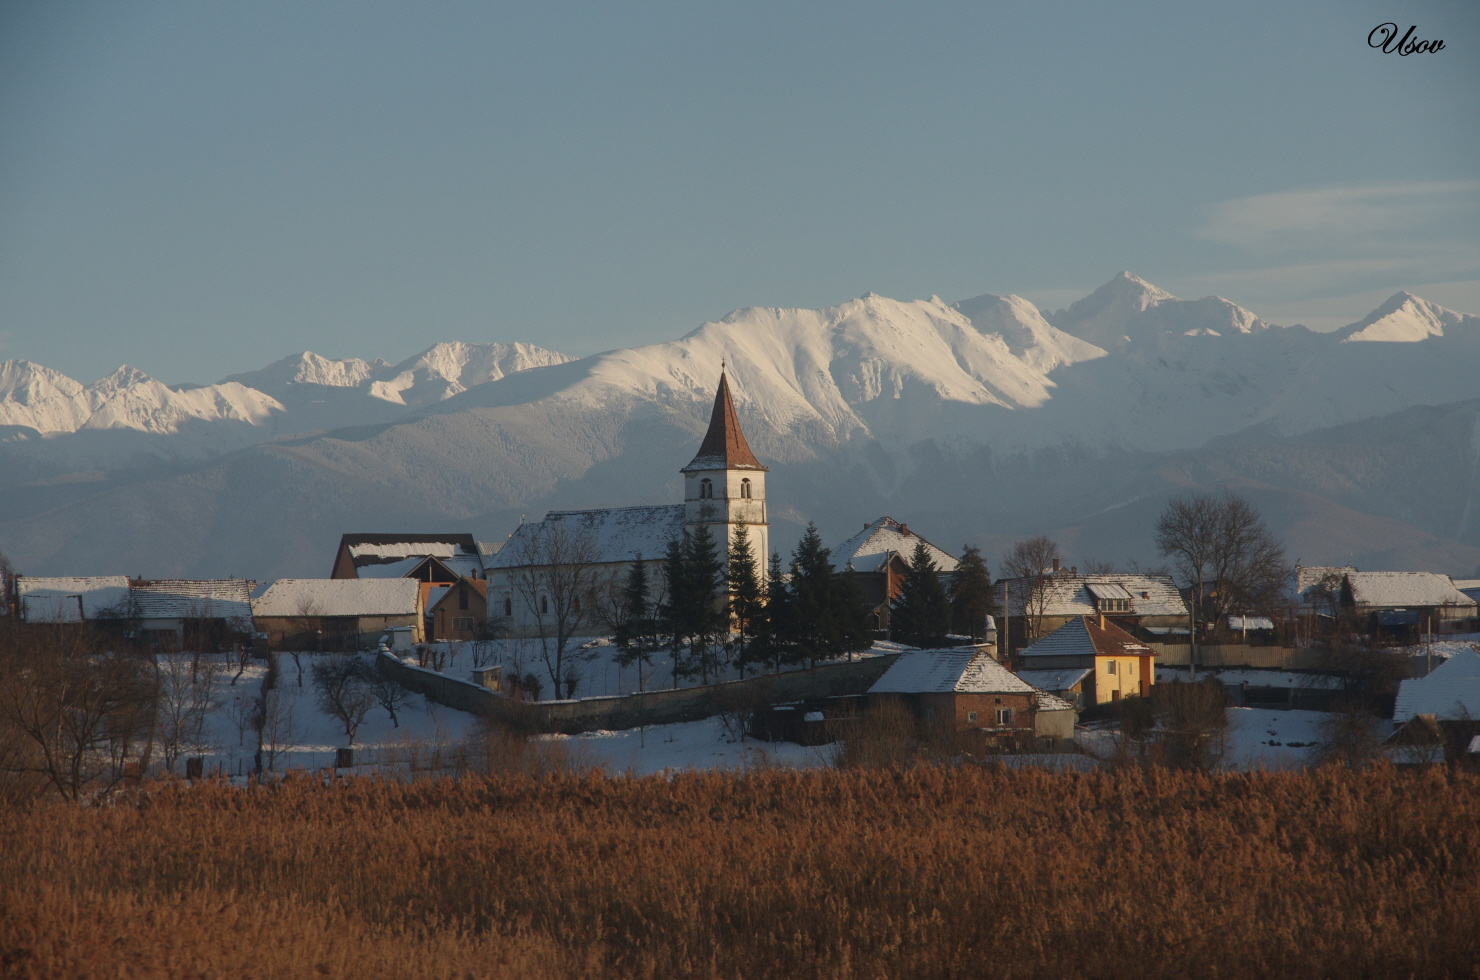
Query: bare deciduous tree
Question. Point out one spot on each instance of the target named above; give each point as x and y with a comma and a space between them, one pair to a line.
83, 706
187, 694
303, 624
390, 695
343, 691
555, 576
1029, 570
1225, 553
277, 724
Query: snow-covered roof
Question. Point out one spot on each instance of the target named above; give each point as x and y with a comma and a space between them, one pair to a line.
1051, 702
1309, 575
1054, 680
1072, 595
1250, 623
869, 549
338, 597
964, 671
1452, 690
54, 599
1083, 637
1469, 586
395, 550
469, 566
1393, 589
1107, 590
435, 594
616, 533
226, 598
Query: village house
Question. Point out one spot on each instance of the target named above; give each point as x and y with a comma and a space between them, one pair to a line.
457, 611
71, 598
1118, 664
970, 691
1437, 717
192, 614
337, 614
439, 558
1397, 606
1038, 606
879, 557
561, 566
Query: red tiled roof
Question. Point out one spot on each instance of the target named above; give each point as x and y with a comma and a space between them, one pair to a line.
724, 446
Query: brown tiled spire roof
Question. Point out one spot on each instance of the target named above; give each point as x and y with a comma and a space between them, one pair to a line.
724, 446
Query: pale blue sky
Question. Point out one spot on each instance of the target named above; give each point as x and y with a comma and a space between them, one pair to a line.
200, 188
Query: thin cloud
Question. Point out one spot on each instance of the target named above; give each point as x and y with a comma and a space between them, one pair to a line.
1363, 219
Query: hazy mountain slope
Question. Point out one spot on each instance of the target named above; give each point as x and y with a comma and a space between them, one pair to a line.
975, 422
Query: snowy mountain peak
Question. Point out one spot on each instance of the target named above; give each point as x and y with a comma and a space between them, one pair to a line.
1128, 310
1406, 318
447, 369
311, 369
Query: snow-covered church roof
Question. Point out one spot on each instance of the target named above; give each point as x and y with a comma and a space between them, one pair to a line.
871, 548
616, 534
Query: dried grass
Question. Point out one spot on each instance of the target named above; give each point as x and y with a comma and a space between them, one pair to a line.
918, 872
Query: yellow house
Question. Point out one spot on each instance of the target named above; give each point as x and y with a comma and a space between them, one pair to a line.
1115, 664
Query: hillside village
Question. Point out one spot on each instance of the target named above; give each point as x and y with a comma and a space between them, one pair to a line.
590, 623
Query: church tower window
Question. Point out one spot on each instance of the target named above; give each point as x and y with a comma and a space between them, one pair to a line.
706, 489
745, 488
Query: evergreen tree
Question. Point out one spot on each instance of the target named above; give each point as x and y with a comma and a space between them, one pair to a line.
921, 616
705, 614
772, 629
826, 614
673, 618
971, 594
636, 639
851, 615
811, 597
747, 603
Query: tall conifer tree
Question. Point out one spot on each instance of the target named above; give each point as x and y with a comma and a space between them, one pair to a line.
921, 616
971, 594
746, 600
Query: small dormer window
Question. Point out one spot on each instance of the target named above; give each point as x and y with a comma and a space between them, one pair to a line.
706, 489
745, 488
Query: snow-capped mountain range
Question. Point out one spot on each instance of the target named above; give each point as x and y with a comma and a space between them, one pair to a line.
988, 413
1130, 365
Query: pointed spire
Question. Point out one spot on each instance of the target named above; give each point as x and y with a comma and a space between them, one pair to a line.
724, 446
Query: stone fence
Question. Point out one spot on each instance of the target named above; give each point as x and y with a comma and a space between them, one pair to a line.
661, 707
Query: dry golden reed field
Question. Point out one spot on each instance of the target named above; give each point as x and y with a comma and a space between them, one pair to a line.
921, 872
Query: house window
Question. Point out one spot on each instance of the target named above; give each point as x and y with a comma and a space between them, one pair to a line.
706, 489
462, 597
971, 716
463, 624
1109, 666
1130, 668
544, 605
1004, 717
508, 606
745, 489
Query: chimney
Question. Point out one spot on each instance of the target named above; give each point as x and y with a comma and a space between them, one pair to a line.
1056, 566
1102, 620
1073, 569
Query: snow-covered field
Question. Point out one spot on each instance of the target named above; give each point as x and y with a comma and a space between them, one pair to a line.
308, 737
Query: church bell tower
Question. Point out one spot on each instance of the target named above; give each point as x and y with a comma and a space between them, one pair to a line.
725, 485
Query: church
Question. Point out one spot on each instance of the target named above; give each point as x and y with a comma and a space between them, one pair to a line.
565, 567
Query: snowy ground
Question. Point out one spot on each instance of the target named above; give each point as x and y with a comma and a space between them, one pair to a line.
1256, 738
1260, 738
593, 659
